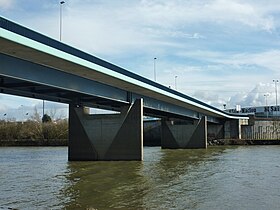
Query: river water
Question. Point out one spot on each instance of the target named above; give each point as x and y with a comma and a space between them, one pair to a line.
234, 177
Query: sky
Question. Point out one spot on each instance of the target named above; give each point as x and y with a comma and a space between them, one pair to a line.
219, 51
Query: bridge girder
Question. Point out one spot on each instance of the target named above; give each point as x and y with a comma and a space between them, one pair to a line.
24, 78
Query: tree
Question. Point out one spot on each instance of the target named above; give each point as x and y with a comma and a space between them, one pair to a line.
36, 116
46, 118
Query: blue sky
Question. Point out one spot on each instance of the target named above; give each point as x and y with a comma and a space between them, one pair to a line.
222, 51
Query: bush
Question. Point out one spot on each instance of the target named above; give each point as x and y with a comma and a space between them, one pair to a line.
33, 130
46, 119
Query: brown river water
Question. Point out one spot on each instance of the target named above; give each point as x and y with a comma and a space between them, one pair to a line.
231, 177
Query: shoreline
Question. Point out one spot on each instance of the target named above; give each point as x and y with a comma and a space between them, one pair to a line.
64, 142
218, 142
30, 142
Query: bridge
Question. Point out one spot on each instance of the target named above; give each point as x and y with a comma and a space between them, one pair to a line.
34, 65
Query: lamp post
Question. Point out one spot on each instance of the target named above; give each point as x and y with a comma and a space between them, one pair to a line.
60, 25
155, 76
266, 95
22, 111
176, 82
275, 82
43, 108
224, 106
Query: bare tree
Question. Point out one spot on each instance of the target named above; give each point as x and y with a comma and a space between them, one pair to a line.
36, 116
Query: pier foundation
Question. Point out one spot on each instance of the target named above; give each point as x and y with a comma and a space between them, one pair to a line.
180, 134
233, 128
106, 136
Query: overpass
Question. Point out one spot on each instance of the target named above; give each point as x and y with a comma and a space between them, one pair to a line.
34, 65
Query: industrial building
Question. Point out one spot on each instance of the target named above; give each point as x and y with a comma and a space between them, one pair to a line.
259, 111
264, 122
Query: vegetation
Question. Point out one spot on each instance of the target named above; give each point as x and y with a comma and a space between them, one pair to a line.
33, 130
46, 119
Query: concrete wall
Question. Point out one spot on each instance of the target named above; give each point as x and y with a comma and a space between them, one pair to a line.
232, 129
215, 131
257, 129
182, 134
152, 133
262, 130
106, 137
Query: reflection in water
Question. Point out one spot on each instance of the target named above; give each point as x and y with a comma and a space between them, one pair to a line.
216, 178
154, 183
105, 184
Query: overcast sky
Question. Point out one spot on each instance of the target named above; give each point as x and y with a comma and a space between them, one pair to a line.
222, 51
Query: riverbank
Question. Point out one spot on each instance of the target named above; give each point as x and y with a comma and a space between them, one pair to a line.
216, 142
64, 142
34, 133
40, 142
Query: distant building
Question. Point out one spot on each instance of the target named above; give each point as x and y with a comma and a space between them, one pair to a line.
259, 112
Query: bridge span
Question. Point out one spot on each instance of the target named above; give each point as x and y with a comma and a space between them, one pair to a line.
34, 65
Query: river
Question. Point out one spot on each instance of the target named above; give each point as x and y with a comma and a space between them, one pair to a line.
232, 177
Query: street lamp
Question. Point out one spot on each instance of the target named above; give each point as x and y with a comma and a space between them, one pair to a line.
176, 82
60, 25
22, 111
266, 95
224, 106
155, 77
275, 82
43, 108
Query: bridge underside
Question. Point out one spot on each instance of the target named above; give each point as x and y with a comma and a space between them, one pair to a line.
36, 66
105, 137
98, 137
44, 82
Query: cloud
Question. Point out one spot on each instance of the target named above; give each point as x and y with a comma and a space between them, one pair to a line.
145, 23
219, 83
6, 4
267, 60
259, 67
219, 49
255, 97
249, 14
176, 13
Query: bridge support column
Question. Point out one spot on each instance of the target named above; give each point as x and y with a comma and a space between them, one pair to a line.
233, 128
215, 131
106, 137
175, 135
